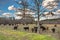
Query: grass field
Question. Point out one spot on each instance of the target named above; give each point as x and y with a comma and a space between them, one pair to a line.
8, 34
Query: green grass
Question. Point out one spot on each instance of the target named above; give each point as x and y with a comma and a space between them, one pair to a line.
6, 34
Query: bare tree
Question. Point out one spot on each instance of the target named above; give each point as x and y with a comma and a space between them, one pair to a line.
24, 4
38, 5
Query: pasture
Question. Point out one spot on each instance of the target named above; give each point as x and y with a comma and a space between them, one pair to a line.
8, 33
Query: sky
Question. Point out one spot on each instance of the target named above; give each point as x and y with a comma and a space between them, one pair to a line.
4, 4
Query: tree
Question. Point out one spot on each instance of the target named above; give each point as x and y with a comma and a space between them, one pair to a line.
38, 5
25, 7
24, 4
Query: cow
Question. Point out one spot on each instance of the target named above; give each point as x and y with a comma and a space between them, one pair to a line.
26, 28
35, 29
43, 28
15, 27
55, 25
32, 29
53, 30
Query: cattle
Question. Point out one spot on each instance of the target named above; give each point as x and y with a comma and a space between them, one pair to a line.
53, 30
26, 28
43, 28
9, 24
35, 29
55, 25
4, 24
15, 27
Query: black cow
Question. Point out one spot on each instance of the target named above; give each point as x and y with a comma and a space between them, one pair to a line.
53, 30
43, 28
9, 24
4, 24
35, 29
15, 27
26, 28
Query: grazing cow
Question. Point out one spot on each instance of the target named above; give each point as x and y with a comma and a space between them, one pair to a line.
15, 27
12, 24
9, 24
26, 28
53, 30
4, 24
55, 25
35, 29
43, 28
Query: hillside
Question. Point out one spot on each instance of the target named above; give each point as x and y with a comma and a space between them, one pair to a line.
29, 21
51, 21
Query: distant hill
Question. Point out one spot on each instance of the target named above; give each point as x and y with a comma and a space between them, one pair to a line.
51, 21
27, 21
12, 20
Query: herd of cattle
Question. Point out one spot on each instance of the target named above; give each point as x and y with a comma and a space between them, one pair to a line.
35, 29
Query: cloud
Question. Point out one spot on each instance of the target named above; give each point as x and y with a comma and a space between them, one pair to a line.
1, 11
18, 17
35, 19
56, 15
6, 14
11, 7
18, 13
32, 13
58, 11
50, 4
